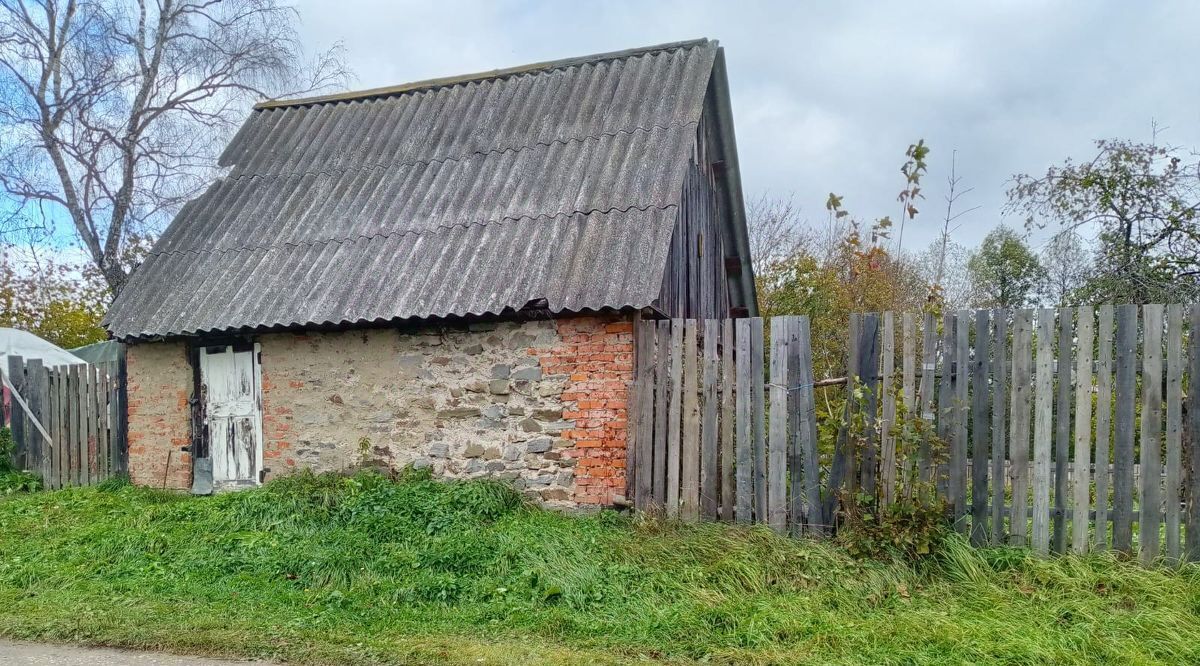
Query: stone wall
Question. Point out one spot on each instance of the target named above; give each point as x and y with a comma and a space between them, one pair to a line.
540, 404
159, 385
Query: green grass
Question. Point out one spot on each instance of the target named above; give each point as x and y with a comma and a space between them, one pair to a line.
364, 570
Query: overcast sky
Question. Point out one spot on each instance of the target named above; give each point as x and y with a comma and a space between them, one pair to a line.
827, 95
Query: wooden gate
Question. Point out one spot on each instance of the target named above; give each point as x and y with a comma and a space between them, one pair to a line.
68, 422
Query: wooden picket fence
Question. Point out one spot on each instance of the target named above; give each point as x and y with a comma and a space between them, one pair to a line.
1059, 428
71, 429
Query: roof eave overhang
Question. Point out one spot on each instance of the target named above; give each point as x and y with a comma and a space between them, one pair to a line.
735, 213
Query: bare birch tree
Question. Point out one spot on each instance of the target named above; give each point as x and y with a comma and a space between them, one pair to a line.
113, 112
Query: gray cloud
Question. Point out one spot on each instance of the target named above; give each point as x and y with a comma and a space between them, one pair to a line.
827, 96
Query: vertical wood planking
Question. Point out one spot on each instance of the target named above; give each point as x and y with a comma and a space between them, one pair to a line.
728, 382
1122, 482
102, 412
745, 445
758, 415
946, 411
908, 383
62, 456
662, 391
18, 424
958, 452
93, 424
78, 430
999, 420
709, 465
806, 405
675, 418
981, 428
1083, 429
1191, 443
926, 396
777, 442
868, 372
35, 379
689, 454
1151, 435
841, 468
795, 454
1104, 387
643, 458
1062, 431
887, 463
1174, 431
1022, 403
1043, 431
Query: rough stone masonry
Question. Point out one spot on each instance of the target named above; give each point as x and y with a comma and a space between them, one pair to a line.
540, 404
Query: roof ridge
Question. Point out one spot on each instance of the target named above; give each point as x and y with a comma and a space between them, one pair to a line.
414, 232
429, 84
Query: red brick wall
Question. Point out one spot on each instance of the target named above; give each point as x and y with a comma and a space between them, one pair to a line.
159, 384
597, 355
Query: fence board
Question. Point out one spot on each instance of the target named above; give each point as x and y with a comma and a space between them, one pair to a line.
1173, 464
1083, 429
62, 384
842, 467
35, 379
945, 406
778, 431
18, 423
958, 451
662, 391
709, 470
103, 392
868, 373
927, 398
1122, 482
1062, 430
757, 415
78, 425
999, 421
981, 428
1043, 413
1104, 387
1022, 404
675, 416
745, 446
643, 459
727, 419
887, 463
1151, 435
808, 431
1192, 437
689, 455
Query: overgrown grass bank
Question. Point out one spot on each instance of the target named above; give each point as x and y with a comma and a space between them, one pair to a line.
365, 570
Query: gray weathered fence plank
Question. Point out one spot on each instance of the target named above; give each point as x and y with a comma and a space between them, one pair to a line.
1043, 431
887, 462
728, 383
868, 373
93, 424
795, 453
1122, 482
689, 454
1174, 431
841, 469
1022, 402
15, 373
35, 386
1062, 430
806, 404
758, 416
643, 458
1191, 444
662, 391
675, 416
926, 397
1104, 387
63, 428
1151, 434
78, 434
745, 434
105, 431
981, 428
709, 470
999, 421
958, 452
777, 443
1083, 429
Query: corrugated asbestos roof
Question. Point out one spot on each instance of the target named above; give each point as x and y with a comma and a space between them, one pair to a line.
557, 182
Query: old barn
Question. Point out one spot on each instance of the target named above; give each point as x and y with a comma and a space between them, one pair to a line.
443, 274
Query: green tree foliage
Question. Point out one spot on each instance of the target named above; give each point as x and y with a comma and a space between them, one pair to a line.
1143, 202
60, 302
1004, 272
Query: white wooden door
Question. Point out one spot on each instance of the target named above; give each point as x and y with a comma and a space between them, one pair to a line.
231, 386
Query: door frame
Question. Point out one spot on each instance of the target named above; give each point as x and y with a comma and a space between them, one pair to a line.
200, 448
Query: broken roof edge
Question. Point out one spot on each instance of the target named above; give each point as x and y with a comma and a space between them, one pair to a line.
443, 82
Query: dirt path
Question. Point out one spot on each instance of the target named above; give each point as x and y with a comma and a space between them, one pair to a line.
37, 654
